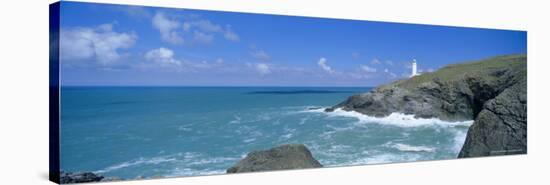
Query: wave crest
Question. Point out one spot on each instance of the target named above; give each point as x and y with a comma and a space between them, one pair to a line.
410, 148
395, 119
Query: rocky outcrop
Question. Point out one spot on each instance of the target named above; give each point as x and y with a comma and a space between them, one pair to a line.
290, 156
501, 126
492, 92
79, 177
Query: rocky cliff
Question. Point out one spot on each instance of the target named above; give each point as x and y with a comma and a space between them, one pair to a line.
492, 92
290, 156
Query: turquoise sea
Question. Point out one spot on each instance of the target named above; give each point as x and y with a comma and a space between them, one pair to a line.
187, 131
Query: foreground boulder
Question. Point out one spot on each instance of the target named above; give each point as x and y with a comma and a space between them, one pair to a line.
491, 92
289, 156
79, 177
501, 126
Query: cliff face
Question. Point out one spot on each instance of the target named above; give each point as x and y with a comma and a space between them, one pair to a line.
290, 156
501, 126
492, 92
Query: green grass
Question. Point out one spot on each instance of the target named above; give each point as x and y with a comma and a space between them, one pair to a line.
457, 71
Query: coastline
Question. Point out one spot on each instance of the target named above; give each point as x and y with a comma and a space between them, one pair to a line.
333, 124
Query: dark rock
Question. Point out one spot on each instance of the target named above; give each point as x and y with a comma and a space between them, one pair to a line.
330, 109
290, 156
79, 177
501, 126
492, 92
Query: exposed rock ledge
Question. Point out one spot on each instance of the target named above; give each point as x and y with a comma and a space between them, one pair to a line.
79, 177
493, 92
83, 177
289, 156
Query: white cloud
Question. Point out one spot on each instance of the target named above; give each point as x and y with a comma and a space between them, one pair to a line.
375, 61
165, 58
219, 61
407, 65
262, 68
367, 69
101, 43
162, 56
230, 34
167, 28
208, 27
202, 37
135, 11
201, 31
323, 64
392, 75
259, 54
389, 62
200, 65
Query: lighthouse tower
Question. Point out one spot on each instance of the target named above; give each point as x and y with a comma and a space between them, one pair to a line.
413, 72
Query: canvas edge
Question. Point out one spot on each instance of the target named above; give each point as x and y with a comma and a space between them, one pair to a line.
54, 148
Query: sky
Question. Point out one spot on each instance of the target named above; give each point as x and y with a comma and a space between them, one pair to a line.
118, 45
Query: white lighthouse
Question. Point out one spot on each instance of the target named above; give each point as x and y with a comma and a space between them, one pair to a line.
413, 68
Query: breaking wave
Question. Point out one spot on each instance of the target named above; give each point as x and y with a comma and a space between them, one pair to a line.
410, 148
137, 162
395, 119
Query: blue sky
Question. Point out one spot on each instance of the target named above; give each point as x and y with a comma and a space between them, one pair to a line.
116, 45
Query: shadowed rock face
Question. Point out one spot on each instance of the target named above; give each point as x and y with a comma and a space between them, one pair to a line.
501, 126
290, 156
80, 177
492, 92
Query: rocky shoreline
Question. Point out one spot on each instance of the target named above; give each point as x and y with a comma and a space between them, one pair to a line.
79, 177
283, 157
492, 92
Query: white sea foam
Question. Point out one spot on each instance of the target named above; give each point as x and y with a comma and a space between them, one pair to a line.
249, 140
303, 120
286, 136
339, 148
185, 128
140, 161
460, 137
395, 119
214, 160
288, 133
179, 172
410, 148
263, 117
313, 110
189, 155
277, 122
236, 120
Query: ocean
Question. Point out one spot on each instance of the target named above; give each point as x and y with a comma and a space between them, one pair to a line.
187, 131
